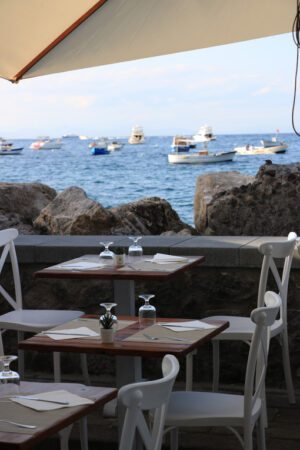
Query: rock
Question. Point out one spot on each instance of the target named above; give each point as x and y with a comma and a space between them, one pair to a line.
72, 212
213, 185
148, 216
20, 204
267, 206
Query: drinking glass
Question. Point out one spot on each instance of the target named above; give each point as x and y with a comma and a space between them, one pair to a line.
106, 253
108, 306
147, 312
135, 249
9, 380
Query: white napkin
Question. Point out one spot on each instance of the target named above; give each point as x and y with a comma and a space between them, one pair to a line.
161, 258
63, 396
71, 333
187, 326
80, 265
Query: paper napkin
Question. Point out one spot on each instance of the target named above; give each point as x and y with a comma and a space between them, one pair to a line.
80, 265
62, 395
187, 326
161, 258
70, 333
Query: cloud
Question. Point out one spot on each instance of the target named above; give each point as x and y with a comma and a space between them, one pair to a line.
262, 91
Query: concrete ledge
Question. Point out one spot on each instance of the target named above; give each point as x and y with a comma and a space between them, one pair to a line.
219, 251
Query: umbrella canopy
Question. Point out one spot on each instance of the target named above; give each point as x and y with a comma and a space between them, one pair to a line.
39, 37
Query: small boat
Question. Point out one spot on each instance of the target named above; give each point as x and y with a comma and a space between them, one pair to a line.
45, 143
263, 150
99, 148
202, 157
114, 146
180, 144
204, 134
83, 138
70, 136
137, 135
10, 150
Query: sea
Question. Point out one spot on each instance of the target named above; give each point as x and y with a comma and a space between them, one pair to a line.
136, 171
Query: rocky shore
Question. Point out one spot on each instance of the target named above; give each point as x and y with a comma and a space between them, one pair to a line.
225, 203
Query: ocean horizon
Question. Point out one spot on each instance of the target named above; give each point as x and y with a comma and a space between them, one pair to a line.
136, 171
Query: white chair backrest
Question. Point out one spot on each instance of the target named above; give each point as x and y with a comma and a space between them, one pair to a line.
145, 396
263, 318
7, 242
281, 250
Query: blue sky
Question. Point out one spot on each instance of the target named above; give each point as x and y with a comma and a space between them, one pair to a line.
237, 88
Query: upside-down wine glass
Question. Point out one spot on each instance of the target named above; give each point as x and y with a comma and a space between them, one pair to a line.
108, 306
106, 253
9, 380
147, 312
135, 249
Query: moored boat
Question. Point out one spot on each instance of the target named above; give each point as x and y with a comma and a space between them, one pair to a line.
180, 144
10, 150
137, 135
45, 143
99, 148
202, 157
253, 150
204, 134
114, 146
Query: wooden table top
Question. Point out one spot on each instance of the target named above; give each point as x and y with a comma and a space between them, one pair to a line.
119, 346
19, 441
116, 274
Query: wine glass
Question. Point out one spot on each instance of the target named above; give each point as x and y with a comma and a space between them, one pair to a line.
9, 380
135, 249
147, 312
106, 253
108, 306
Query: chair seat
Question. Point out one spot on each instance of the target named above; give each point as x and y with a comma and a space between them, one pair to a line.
36, 320
207, 409
242, 328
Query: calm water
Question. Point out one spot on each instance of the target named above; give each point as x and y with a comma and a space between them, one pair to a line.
136, 171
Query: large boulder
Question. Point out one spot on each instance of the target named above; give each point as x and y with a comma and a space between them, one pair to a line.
72, 212
267, 206
20, 204
207, 187
147, 216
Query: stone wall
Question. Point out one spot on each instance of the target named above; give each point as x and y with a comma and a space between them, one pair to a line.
229, 287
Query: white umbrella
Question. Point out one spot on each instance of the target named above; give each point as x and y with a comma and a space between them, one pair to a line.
39, 37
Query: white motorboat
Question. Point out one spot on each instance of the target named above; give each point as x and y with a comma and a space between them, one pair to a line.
83, 138
204, 134
267, 148
45, 143
114, 146
202, 157
137, 135
10, 150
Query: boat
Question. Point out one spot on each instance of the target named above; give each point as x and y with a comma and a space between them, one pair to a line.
99, 148
83, 138
202, 157
204, 134
114, 146
181, 144
10, 150
264, 149
137, 135
45, 143
70, 136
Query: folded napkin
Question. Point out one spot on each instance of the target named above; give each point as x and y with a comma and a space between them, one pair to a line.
80, 265
62, 396
70, 333
161, 258
187, 326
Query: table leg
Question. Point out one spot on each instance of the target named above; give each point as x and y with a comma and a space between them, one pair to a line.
124, 296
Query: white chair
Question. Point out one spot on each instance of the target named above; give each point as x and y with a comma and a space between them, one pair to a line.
242, 329
147, 396
32, 320
211, 409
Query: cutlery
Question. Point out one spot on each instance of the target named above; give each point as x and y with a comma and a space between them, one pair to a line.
181, 326
132, 267
152, 338
66, 334
41, 399
22, 425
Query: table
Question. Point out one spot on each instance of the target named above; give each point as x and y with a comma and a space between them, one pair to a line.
124, 292
54, 421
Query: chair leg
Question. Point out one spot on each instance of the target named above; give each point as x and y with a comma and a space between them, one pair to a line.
1, 344
287, 366
248, 439
174, 439
84, 369
260, 433
189, 370
216, 364
21, 364
56, 366
64, 436
84, 443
